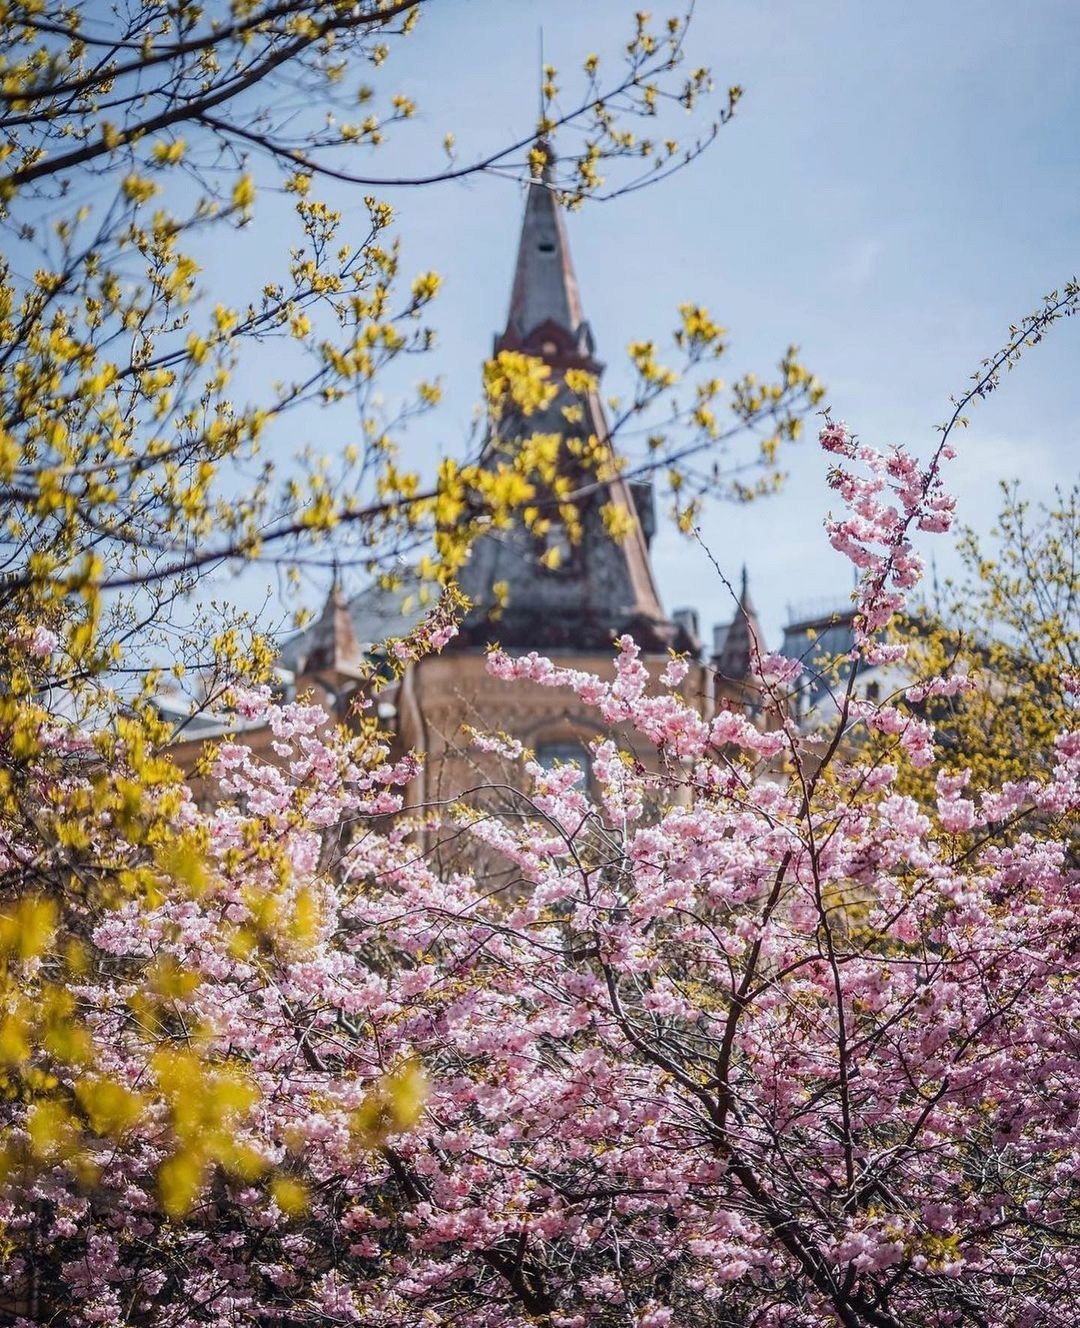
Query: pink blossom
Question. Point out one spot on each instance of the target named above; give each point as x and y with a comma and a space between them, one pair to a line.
778, 670
250, 702
675, 671
42, 642
955, 685
443, 634
834, 437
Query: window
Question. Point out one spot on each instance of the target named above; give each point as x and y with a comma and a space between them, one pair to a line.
566, 752
557, 553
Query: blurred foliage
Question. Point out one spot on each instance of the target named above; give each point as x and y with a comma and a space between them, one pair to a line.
1011, 621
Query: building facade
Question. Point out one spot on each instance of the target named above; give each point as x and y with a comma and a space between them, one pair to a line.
570, 604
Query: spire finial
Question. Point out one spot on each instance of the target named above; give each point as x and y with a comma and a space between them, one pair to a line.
546, 166
335, 601
541, 80
745, 584
545, 169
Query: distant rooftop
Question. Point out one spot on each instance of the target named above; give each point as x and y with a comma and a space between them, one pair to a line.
820, 609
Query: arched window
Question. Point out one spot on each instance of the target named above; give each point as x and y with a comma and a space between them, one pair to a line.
564, 752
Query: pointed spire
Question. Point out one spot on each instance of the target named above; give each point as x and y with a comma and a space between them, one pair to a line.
545, 315
334, 645
742, 638
605, 587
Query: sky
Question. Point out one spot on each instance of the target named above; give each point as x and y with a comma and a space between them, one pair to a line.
900, 184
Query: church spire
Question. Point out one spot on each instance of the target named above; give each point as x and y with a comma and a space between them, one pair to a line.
596, 586
545, 317
742, 641
332, 646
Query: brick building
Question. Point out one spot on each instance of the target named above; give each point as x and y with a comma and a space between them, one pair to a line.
600, 588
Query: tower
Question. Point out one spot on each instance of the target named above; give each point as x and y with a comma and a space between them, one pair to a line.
567, 593
734, 650
327, 659
565, 589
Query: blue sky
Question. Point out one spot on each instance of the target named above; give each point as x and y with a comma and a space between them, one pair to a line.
901, 182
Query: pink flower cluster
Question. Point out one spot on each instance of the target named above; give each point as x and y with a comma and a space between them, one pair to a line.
434, 632
39, 642
892, 494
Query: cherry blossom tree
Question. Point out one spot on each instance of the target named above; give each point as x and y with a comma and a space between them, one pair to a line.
791, 1050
